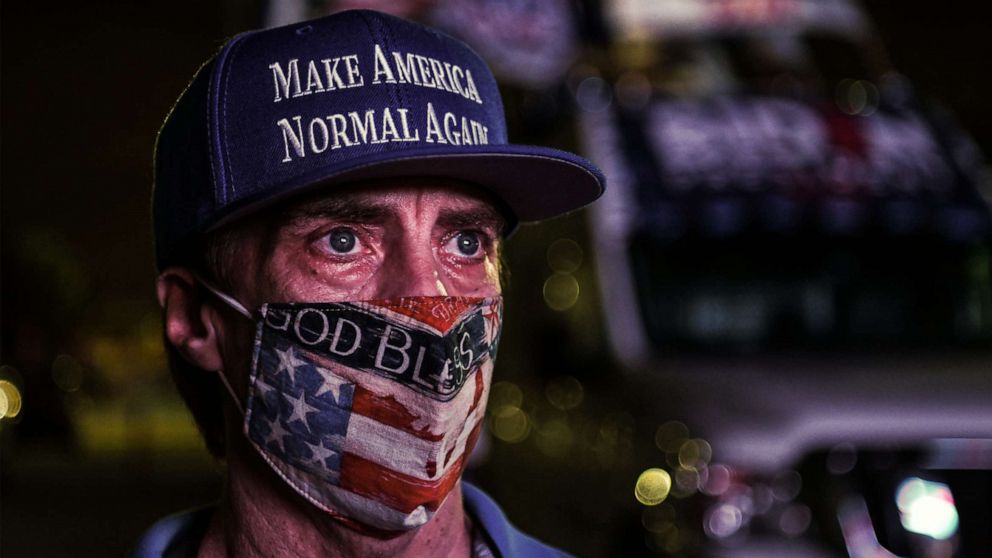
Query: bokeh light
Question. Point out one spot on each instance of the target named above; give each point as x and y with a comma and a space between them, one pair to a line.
670, 436
561, 291
686, 482
723, 520
674, 541
507, 420
668, 541
658, 519
786, 486
857, 97
612, 438
633, 90
67, 373
565, 255
505, 394
927, 508
653, 486
795, 520
742, 497
554, 437
594, 94
762, 498
564, 393
617, 427
717, 480
510, 424
695, 454
841, 459
10, 400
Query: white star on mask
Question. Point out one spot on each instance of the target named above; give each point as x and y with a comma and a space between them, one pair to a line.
264, 388
277, 434
332, 385
320, 453
300, 409
317, 463
289, 362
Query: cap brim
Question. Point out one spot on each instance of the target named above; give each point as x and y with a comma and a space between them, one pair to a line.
534, 183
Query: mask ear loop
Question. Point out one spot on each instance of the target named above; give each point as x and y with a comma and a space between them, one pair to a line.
234, 396
239, 308
226, 298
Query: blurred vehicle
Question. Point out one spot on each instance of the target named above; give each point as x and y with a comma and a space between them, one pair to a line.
797, 247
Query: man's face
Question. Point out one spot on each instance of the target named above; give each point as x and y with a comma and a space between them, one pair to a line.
388, 239
378, 240
384, 240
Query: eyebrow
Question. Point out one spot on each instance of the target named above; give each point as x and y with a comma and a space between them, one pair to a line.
344, 208
481, 217
360, 209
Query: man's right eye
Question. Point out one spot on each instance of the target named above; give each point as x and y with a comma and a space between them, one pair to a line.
342, 241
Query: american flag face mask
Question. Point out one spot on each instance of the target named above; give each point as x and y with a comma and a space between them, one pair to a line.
370, 409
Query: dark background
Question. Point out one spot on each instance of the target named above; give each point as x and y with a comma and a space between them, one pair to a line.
84, 88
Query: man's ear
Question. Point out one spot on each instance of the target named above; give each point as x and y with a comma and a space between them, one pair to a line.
190, 323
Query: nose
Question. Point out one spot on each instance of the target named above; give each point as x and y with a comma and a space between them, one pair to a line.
412, 270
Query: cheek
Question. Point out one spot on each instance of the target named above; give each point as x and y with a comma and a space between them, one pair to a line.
342, 278
492, 271
299, 277
475, 280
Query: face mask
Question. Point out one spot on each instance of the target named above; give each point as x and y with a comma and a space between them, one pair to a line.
370, 409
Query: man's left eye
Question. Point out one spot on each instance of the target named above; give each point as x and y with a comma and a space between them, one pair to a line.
466, 244
342, 241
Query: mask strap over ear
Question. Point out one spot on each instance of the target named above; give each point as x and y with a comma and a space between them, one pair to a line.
239, 308
234, 396
226, 298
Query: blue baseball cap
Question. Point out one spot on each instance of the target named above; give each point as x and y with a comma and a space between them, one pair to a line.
354, 96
